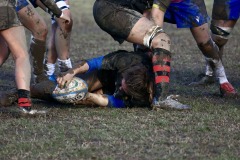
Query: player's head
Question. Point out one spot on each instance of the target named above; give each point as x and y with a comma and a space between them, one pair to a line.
136, 81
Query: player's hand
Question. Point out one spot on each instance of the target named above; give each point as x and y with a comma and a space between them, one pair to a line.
64, 79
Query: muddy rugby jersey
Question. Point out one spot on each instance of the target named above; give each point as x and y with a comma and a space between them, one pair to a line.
110, 68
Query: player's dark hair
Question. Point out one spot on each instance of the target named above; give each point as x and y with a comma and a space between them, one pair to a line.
137, 79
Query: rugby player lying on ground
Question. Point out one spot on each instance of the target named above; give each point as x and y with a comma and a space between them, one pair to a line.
119, 79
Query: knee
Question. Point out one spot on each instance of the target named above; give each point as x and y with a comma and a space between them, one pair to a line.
66, 27
157, 38
41, 32
162, 40
21, 56
220, 34
69, 26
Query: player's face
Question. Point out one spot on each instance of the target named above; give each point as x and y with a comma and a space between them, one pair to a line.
122, 90
123, 86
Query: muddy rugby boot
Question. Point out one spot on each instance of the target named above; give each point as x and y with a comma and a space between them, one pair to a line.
227, 90
25, 108
7, 98
170, 103
203, 79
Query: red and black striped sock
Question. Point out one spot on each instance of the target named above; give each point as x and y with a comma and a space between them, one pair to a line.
161, 68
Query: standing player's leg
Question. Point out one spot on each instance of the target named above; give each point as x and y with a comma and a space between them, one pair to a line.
225, 14
35, 23
59, 44
126, 24
211, 53
15, 38
62, 42
51, 56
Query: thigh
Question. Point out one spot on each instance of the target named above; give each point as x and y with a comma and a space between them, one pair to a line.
139, 30
8, 16
226, 10
32, 20
16, 40
116, 20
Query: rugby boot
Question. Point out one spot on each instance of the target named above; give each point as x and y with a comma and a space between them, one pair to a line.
227, 90
203, 80
169, 103
7, 98
24, 104
24, 108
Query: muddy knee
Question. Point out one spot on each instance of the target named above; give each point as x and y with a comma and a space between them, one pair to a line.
157, 38
220, 34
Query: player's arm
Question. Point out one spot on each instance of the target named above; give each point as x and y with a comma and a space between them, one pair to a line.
158, 10
102, 100
80, 68
111, 61
54, 8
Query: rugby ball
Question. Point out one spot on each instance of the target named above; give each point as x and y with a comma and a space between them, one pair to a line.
74, 92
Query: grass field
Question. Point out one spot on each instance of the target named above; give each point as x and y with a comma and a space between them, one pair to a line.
211, 130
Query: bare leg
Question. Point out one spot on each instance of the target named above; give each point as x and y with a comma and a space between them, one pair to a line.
15, 38
51, 56
222, 40
59, 45
161, 58
35, 23
211, 53
62, 42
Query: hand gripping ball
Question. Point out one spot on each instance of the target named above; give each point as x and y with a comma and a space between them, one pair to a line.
74, 92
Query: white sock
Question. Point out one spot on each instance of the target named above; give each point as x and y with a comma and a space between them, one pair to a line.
50, 69
64, 63
208, 71
220, 72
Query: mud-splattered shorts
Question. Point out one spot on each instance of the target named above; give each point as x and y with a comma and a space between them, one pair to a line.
226, 9
187, 14
8, 15
114, 19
